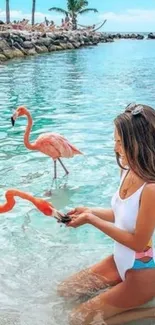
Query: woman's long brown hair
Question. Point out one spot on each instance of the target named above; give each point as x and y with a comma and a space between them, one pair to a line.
137, 133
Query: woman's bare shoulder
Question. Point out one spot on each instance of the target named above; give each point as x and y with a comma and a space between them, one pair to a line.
148, 195
150, 188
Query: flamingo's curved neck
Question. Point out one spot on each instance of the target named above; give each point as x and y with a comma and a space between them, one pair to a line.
10, 201
27, 132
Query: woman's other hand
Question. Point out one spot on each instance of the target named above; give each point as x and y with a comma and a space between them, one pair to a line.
81, 219
78, 210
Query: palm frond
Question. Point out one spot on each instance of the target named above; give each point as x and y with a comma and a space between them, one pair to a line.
81, 4
60, 10
84, 3
84, 11
71, 5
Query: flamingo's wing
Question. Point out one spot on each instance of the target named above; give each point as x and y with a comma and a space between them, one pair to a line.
55, 146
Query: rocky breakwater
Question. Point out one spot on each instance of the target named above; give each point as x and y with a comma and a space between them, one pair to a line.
19, 44
121, 36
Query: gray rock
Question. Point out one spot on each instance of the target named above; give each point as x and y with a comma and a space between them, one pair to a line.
47, 41
58, 47
52, 48
109, 40
9, 54
13, 53
151, 36
140, 37
4, 34
37, 42
41, 49
71, 39
28, 45
17, 53
31, 51
76, 45
56, 42
64, 46
70, 46
4, 45
52, 36
3, 58
19, 47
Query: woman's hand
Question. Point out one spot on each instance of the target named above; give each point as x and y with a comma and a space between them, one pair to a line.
81, 219
78, 210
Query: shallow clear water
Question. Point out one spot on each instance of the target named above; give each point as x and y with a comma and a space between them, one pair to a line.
78, 94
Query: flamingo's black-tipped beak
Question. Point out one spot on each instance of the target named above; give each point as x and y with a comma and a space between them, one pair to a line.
12, 121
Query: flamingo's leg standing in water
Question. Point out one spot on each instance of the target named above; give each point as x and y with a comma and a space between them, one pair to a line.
55, 170
65, 169
48, 193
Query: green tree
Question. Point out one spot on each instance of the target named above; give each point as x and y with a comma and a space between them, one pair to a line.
33, 11
74, 8
7, 12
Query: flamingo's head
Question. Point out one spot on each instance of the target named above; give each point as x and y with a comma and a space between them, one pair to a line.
20, 111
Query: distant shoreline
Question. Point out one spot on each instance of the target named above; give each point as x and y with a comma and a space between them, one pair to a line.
19, 44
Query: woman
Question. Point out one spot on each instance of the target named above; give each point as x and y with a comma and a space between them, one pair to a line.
130, 271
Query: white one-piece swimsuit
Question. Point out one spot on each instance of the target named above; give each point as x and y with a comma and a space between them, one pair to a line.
126, 212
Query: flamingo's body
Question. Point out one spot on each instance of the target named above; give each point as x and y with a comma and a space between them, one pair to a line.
55, 146
42, 205
51, 144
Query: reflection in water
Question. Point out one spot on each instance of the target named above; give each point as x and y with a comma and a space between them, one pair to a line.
63, 197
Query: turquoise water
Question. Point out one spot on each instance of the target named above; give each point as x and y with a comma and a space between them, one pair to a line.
78, 94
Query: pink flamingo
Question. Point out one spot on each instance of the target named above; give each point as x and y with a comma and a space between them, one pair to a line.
42, 205
53, 145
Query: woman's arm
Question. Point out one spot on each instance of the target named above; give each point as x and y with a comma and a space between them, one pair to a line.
144, 227
104, 214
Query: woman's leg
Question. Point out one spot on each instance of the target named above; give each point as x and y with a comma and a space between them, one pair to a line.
99, 276
137, 289
132, 315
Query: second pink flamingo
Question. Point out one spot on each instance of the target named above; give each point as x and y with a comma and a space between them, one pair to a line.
51, 144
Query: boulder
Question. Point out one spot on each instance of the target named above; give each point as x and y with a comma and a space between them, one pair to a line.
17, 53
140, 37
2, 57
8, 54
64, 46
47, 41
52, 48
4, 34
41, 49
4, 45
56, 42
70, 46
27, 45
31, 51
76, 45
13, 53
19, 47
151, 36
58, 47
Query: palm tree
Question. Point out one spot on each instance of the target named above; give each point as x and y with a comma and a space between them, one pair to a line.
74, 8
33, 10
7, 12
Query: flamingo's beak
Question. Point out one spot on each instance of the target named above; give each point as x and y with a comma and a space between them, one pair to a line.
14, 117
64, 218
12, 121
